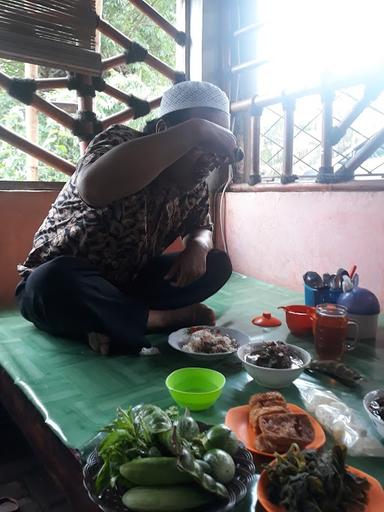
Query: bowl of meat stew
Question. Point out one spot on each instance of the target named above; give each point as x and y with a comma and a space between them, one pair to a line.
273, 364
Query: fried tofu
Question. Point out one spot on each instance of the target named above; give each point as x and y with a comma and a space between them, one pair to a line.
256, 414
267, 399
261, 404
279, 431
268, 444
275, 427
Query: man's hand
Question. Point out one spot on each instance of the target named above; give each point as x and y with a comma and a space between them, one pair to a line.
189, 266
212, 138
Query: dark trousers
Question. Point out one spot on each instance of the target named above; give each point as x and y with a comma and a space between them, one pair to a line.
68, 297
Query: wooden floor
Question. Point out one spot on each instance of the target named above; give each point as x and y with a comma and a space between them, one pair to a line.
23, 477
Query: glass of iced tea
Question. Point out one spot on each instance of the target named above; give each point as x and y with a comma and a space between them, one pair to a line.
330, 325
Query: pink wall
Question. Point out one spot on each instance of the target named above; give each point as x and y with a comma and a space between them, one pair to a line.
277, 236
21, 213
273, 236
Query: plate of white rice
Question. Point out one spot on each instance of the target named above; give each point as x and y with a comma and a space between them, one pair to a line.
207, 342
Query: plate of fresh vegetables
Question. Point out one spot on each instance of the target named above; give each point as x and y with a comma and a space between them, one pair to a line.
162, 461
306, 480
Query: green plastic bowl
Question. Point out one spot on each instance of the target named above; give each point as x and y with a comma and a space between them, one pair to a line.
195, 388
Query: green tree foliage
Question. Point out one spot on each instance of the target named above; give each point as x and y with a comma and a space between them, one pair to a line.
138, 79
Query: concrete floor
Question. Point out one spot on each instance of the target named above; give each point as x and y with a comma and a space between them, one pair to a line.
22, 477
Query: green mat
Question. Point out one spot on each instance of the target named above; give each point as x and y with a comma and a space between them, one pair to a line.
77, 391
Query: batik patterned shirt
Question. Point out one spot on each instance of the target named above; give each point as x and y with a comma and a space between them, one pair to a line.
121, 237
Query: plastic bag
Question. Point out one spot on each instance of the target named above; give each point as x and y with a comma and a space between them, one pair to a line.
341, 421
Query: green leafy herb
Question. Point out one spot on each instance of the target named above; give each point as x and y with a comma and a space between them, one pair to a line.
129, 436
151, 418
306, 481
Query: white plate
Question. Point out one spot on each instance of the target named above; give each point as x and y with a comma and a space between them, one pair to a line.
178, 338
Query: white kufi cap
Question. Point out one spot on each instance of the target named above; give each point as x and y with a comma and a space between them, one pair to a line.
193, 95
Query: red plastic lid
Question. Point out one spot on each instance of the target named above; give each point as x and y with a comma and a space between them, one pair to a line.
266, 320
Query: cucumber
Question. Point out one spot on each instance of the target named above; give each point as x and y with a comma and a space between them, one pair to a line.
165, 499
154, 471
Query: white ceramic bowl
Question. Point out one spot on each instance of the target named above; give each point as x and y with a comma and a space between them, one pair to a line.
178, 338
273, 377
373, 395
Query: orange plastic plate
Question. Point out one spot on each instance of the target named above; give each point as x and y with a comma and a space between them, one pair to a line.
237, 420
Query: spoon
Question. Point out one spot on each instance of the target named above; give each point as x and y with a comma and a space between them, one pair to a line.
326, 279
313, 279
332, 282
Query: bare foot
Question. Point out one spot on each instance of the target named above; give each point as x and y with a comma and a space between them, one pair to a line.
197, 314
99, 343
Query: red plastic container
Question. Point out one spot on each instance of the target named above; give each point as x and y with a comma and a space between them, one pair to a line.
299, 319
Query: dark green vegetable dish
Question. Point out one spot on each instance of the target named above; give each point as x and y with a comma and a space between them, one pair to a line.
307, 481
159, 460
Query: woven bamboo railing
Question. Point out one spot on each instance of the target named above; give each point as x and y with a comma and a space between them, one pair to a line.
36, 151
250, 111
85, 86
331, 134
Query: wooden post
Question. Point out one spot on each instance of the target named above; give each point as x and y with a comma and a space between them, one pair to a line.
85, 104
99, 12
119, 38
372, 91
125, 115
256, 133
248, 146
160, 21
31, 127
116, 93
246, 66
367, 150
113, 62
289, 109
52, 83
326, 142
55, 113
249, 28
36, 151
183, 20
124, 97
